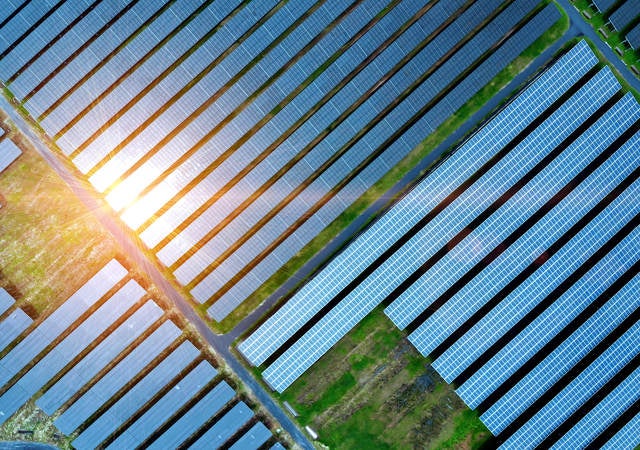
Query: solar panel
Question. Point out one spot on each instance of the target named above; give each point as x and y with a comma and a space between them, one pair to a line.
470, 297
6, 300
627, 436
625, 14
68, 349
9, 152
51, 327
633, 37
567, 354
99, 357
137, 396
117, 377
195, 417
65, 46
12, 326
557, 268
603, 5
38, 39
164, 408
605, 412
14, 30
91, 56
125, 90
224, 428
465, 161
253, 438
579, 390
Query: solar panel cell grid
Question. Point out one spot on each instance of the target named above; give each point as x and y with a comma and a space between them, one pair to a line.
67, 77
627, 436
360, 184
415, 205
69, 348
466, 301
21, 22
625, 14
253, 438
99, 357
577, 392
534, 384
59, 320
543, 281
12, 326
164, 408
224, 428
39, 38
193, 419
117, 377
137, 396
605, 412
124, 91
62, 49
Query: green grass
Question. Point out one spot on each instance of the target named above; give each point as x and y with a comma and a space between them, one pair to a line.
614, 39
390, 179
368, 392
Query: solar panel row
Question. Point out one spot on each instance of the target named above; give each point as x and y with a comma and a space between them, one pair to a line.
139, 366
406, 214
633, 37
518, 275
245, 128
625, 14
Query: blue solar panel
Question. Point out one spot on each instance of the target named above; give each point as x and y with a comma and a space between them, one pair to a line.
165, 123
117, 377
39, 38
51, 327
6, 300
224, 428
625, 14
193, 419
357, 187
9, 8
93, 54
125, 90
164, 408
603, 5
65, 46
21, 22
69, 348
346, 266
465, 302
137, 396
9, 152
99, 357
633, 37
12, 326
605, 412
253, 438
626, 437
579, 390
567, 354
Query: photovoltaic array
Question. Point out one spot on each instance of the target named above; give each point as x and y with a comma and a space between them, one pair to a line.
513, 264
118, 373
228, 134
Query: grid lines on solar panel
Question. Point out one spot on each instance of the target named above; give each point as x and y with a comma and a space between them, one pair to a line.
290, 148
516, 305
627, 436
492, 231
128, 153
605, 412
417, 203
577, 391
529, 246
524, 156
218, 145
445, 225
94, 55
562, 359
381, 131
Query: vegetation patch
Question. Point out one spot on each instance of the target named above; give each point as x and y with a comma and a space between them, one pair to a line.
373, 390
